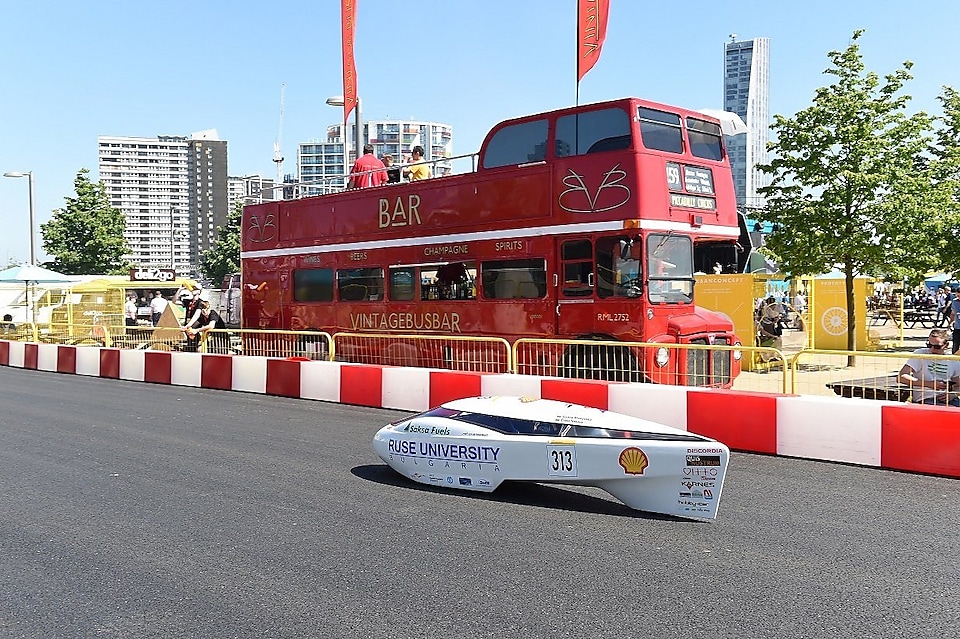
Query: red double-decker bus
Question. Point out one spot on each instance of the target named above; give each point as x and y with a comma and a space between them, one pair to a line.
582, 223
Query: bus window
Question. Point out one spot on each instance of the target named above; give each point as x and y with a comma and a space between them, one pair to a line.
577, 268
313, 285
450, 281
670, 265
402, 284
512, 279
705, 139
360, 284
660, 130
592, 132
517, 144
618, 267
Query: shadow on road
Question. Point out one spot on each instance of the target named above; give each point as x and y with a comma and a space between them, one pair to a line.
521, 493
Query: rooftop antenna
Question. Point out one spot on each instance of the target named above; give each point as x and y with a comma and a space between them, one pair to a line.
733, 37
277, 154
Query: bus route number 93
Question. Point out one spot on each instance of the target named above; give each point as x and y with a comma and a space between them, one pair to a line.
562, 460
613, 317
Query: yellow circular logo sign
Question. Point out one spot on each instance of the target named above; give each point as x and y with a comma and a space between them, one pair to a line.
834, 320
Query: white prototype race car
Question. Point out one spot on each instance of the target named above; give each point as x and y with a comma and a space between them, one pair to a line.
480, 442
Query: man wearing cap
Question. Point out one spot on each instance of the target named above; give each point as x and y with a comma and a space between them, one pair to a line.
417, 171
364, 172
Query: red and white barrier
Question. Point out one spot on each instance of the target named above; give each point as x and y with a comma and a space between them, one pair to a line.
922, 439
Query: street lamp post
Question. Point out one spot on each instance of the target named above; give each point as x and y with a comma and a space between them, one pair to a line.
173, 263
29, 176
358, 138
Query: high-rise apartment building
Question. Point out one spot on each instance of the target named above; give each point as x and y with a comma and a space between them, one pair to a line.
172, 191
250, 189
323, 162
746, 92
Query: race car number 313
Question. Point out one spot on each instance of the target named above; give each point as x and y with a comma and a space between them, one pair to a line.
562, 460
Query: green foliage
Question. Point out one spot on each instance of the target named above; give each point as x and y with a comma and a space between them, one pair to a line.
86, 237
223, 258
850, 181
945, 169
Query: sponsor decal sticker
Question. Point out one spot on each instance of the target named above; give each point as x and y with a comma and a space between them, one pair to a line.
633, 461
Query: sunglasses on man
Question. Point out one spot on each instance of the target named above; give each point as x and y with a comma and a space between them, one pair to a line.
937, 347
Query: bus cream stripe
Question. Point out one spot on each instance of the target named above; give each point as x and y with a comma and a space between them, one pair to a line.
649, 225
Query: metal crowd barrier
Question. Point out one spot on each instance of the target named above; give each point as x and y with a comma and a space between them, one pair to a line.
475, 354
870, 375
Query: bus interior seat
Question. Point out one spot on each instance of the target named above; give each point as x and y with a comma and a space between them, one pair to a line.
617, 143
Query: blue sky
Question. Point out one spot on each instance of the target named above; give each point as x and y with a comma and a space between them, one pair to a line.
73, 71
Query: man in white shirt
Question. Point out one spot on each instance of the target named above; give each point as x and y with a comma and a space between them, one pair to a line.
931, 380
130, 310
157, 306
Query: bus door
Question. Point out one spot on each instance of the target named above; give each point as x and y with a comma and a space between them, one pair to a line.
619, 290
575, 287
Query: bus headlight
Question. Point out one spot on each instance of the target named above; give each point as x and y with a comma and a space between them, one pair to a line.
663, 356
737, 354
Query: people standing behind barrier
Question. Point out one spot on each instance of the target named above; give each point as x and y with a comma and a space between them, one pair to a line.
954, 315
8, 327
364, 172
941, 300
416, 171
931, 380
393, 172
206, 320
157, 306
130, 310
770, 317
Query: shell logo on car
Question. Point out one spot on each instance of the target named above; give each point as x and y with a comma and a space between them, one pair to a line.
633, 461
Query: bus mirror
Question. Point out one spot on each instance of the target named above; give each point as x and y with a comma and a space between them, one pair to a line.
625, 249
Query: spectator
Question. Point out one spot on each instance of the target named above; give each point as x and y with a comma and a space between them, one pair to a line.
417, 171
8, 326
157, 306
770, 317
953, 313
130, 310
717, 268
364, 172
931, 380
207, 320
393, 172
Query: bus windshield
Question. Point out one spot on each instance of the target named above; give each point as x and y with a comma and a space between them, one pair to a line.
670, 265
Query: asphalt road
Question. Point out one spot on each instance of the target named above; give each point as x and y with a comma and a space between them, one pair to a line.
135, 510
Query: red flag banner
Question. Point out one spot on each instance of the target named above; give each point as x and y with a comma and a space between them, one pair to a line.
591, 30
348, 16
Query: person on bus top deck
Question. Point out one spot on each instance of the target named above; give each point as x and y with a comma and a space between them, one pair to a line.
393, 172
417, 171
364, 172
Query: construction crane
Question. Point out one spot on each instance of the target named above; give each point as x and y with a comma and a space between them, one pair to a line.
277, 153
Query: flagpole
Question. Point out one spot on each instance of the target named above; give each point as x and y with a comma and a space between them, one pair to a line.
576, 55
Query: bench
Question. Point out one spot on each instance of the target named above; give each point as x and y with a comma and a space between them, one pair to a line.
886, 387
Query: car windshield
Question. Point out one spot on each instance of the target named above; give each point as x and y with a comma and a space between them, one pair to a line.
517, 426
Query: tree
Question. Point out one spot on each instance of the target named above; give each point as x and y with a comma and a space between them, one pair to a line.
850, 185
223, 258
86, 237
945, 169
